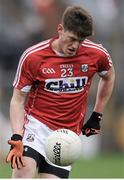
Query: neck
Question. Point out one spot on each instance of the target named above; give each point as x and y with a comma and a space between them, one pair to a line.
56, 46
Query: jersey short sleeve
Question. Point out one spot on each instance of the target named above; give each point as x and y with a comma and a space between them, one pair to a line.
104, 62
26, 72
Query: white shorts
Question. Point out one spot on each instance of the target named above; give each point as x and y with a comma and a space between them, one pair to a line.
35, 135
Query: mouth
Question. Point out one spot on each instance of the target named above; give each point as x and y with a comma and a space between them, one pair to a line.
71, 51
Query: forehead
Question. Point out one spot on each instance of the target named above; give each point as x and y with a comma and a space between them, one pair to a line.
73, 35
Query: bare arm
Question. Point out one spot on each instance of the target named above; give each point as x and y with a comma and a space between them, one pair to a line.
104, 91
17, 111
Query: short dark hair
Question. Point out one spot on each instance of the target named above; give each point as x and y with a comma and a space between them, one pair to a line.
78, 21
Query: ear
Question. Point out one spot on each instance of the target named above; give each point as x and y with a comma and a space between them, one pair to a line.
60, 29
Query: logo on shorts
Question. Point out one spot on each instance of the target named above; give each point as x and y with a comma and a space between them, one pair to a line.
30, 137
26, 149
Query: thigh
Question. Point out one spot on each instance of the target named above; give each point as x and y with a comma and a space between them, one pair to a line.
46, 169
35, 134
26, 172
64, 174
48, 176
34, 139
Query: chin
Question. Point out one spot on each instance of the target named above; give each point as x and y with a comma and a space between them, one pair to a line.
70, 54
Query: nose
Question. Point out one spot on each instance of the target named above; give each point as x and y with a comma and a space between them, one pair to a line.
75, 45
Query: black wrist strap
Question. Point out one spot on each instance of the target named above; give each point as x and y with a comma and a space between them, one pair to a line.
96, 115
16, 137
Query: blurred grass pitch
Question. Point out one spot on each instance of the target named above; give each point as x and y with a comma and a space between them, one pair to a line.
105, 166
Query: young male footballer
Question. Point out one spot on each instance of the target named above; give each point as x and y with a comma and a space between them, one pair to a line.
50, 92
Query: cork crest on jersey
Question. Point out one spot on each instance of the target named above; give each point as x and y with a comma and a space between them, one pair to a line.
84, 67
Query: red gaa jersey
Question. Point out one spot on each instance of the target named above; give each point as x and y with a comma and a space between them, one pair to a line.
57, 85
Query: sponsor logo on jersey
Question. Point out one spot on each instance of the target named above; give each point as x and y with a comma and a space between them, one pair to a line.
68, 84
84, 67
48, 71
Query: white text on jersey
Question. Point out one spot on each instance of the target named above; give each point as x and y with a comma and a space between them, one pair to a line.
48, 71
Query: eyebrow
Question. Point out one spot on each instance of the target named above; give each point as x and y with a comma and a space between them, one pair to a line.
76, 38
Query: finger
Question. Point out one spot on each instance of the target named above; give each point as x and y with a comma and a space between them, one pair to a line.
18, 163
11, 142
95, 131
11, 162
87, 131
89, 134
14, 162
9, 157
22, 161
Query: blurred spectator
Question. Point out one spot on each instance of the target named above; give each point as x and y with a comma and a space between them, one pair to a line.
5, 133
19, 29
105, 14
50, 11
119, 131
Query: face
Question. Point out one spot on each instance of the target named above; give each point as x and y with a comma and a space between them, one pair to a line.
68, 42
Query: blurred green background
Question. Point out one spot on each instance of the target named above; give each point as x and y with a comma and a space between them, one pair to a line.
105, 166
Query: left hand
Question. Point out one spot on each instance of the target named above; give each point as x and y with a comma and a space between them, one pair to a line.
92, 126
15, 156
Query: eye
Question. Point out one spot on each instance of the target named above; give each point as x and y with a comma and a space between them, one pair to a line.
72, 39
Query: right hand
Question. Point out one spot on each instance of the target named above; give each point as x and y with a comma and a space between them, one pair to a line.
15, 156
92, 126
